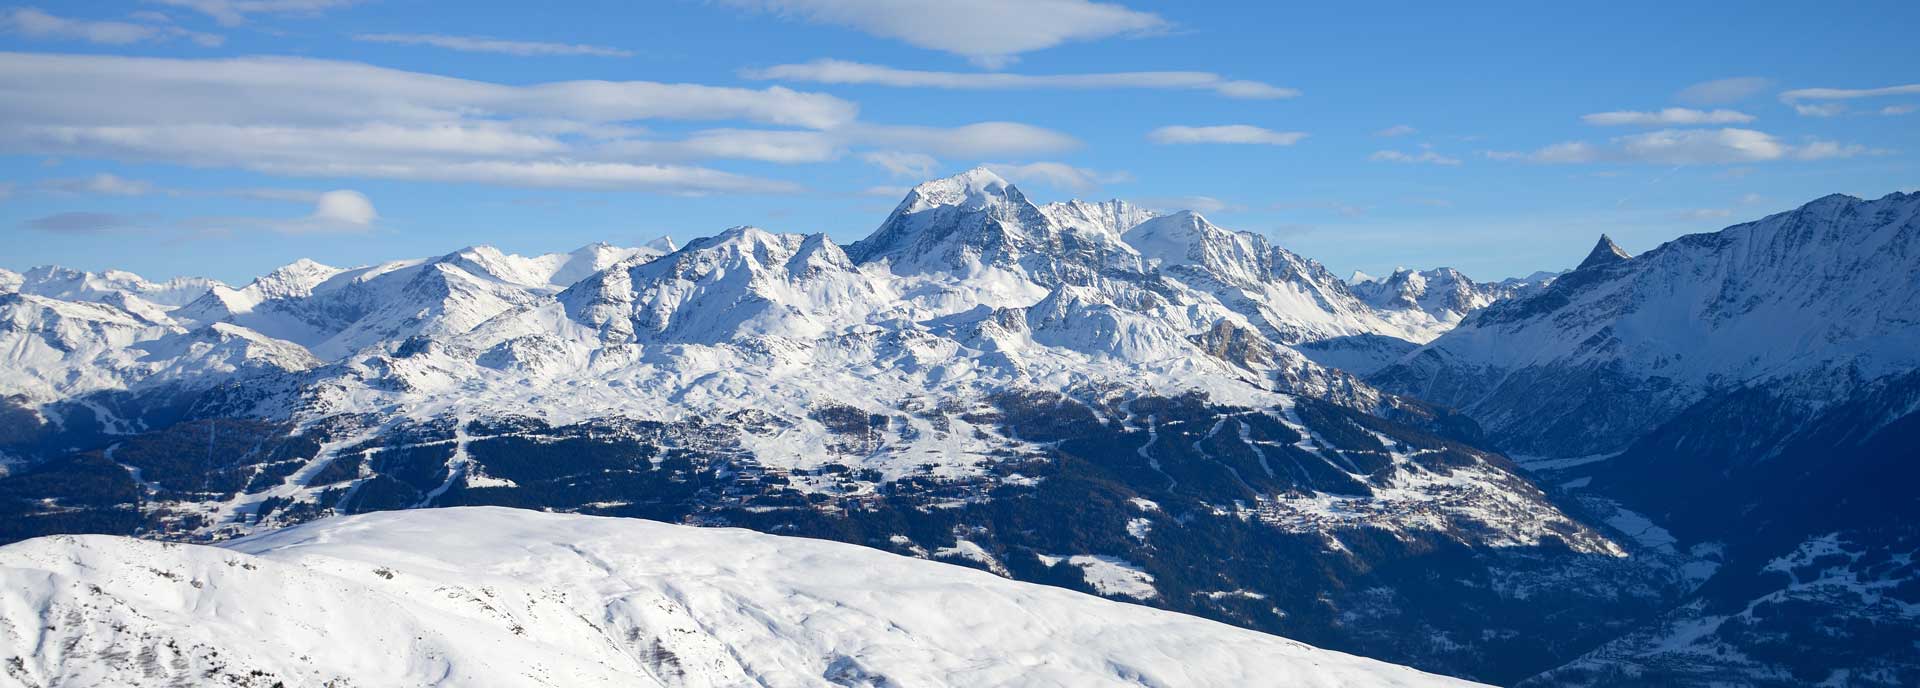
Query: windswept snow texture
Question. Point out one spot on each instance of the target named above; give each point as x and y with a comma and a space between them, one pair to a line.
501, 597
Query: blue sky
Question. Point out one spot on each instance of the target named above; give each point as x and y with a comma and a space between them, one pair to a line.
226, 137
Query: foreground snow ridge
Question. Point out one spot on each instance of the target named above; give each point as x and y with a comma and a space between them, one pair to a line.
499, 597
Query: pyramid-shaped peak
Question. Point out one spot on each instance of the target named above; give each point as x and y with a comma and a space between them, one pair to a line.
1605, 252
975, 188
978, 179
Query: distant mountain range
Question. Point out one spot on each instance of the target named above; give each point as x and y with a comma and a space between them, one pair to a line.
1088, 395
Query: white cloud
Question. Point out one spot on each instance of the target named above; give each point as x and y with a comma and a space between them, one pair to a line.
1667, 117
1701, 146
1057, 174
34, 23
341, 211
1820, 109
1229, 133
984, 139
786, 147
844, 72
1427, 157
1395, 130
1822, 150
344, 208
102, 184
335, 119
902, 164
1892, 110
1848, 93
1686, 147
1722, 91
234, 12
557, 174
481, 44
911, 146
991, 33
326, 118
79, 90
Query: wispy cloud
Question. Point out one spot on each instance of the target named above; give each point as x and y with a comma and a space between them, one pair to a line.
337, 212
1057, 174
102, 184
1226, 133
844, 72
482, 44
1666, 118
81, 222
1723, 91
991, 33
341, 211
1395, 130
319, 118
237, 12
1820, 109
1424, 157
1686, 147
326, 118
35, 23
979, 140
903, 164
1848, 93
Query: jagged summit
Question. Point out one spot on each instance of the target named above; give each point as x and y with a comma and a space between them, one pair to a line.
1605, 252
663, 244
1112, 217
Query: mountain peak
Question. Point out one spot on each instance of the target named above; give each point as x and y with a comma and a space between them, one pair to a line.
975, 188
1604, 253
663, 244
970, 219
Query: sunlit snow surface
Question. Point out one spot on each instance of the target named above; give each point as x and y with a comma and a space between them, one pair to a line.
501, 597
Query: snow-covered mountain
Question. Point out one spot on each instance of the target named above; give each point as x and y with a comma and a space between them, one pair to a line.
111, 286
1749, 397
1430, 302
500, 597
1824, 293
1420, 305
1145, 407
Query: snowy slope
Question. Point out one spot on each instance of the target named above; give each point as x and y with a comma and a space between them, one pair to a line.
499, 597
968, 295
1824, 295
